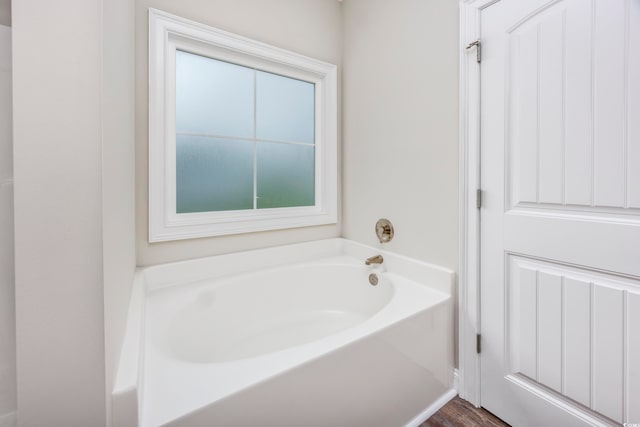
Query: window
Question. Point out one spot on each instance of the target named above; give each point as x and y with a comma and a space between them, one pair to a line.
242, 135
244, 138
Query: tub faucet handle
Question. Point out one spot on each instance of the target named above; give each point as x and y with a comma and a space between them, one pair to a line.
377, 259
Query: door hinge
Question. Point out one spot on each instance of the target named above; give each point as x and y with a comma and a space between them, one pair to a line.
478, 343
478, 198
478, 46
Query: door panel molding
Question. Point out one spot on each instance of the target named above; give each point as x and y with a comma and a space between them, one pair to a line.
565, 406
565, 331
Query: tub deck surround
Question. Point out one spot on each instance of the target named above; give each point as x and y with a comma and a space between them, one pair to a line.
293, 335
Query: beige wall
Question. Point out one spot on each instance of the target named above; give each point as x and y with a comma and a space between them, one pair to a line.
400, 132
118, 182
5, 12
309, 27
57, 116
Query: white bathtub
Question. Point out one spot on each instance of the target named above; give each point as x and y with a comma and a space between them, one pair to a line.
287, 336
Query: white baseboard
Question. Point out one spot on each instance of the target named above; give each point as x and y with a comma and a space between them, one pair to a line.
8, 420
433, 408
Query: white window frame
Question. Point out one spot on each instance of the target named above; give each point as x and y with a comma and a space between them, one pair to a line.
168, 33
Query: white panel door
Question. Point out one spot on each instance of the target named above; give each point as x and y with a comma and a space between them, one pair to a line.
560, 222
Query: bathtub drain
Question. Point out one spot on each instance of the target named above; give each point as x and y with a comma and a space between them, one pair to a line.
373, 279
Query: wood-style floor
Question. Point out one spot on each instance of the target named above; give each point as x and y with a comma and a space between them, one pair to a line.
460, 413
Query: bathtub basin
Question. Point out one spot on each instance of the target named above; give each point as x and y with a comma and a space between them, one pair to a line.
287, 336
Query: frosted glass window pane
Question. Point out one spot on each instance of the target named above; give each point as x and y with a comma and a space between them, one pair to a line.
286, 175
213, 174
285, 108
213, 97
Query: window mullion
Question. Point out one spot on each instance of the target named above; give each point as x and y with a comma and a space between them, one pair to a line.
255, 141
